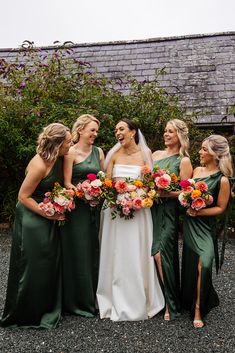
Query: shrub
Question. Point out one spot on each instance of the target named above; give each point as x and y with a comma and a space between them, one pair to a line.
42, 87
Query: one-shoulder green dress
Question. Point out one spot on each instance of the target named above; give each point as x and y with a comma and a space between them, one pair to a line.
165, 239
80, 247
34, 284
200, 241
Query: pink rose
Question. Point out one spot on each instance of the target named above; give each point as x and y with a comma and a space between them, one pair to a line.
183, 201
94, 191
58, 208
198, 203
85, 185
131, 187
188, 189
163, 181
71, 205
209, 199
126, 211
137, 203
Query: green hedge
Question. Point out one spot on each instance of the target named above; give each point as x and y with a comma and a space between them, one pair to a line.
41, 87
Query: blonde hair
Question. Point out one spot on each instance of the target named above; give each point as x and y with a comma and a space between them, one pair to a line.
182, 133
219, 148
50, 141
81, 122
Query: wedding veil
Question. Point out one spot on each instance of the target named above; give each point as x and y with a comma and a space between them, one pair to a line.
143, 146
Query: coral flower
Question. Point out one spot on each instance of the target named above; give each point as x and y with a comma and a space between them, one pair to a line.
198, 203
201, 185
121, 186
145, 169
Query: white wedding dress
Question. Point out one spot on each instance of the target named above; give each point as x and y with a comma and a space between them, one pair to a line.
128, 286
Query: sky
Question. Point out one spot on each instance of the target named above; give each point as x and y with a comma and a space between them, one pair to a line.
87, 21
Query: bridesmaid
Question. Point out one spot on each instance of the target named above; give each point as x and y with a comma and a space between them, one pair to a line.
34, 285
200, 246
80, 243
166, 214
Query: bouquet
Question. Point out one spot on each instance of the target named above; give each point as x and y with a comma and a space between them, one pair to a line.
194, 194
59, 200
128, 196
94, 189
164, 180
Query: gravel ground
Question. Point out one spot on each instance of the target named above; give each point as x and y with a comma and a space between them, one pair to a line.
77, 334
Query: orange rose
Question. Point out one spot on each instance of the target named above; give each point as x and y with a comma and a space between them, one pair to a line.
138, 183
79, 194
108, 182
195, 194
174, 178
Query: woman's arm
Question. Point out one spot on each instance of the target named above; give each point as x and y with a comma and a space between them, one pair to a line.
36, 171
101, 158
222, 201
186, 169
68, 169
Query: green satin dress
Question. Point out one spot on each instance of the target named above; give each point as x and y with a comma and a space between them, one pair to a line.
165, 239
80, 247
33, 297
200, 241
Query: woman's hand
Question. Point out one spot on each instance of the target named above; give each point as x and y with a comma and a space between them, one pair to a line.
163, 193
191, 212
56, 217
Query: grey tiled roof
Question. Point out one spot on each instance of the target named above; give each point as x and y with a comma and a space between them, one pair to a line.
199, 68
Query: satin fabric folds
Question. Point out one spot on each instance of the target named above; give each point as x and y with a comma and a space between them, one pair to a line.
34, 284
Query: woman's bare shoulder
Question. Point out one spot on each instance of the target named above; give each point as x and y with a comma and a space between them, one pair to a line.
158, 154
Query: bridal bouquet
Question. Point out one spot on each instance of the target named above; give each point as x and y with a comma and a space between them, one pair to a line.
194, 194
128, 196
94, 189
59, 200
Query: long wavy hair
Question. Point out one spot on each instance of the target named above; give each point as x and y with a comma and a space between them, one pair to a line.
218, 147
50, 140
182, 133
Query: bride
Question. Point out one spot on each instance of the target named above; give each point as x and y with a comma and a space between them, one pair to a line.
128, 287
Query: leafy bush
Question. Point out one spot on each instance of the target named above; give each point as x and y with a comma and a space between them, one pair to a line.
43, 87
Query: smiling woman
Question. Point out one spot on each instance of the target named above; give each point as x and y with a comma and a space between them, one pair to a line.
128, 287
200, 239
166, 214
34, 285
80, 245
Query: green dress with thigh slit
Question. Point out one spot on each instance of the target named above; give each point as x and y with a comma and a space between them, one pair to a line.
200, 242
165, 239
34, 284
80, 247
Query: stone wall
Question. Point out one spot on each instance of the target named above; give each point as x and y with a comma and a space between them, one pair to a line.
199, 68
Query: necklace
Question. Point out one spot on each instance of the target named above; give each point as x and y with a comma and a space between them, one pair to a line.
132, 152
